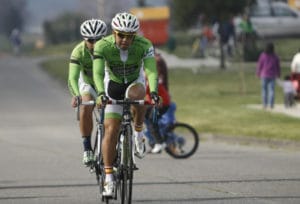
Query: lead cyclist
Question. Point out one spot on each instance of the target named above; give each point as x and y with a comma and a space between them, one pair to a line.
80, 80
118, 73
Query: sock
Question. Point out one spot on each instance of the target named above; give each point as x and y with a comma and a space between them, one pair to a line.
138, 130
108, 173
87, 143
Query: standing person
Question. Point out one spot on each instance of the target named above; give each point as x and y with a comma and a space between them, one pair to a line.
118, 73
248, 35
295, 72
289, 91
268, 69
295, 65
16, 41
227, 36
80, 80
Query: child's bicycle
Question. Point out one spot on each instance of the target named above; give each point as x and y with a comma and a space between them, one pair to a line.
180, 140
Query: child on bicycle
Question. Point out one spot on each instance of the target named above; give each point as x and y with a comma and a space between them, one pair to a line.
157, 142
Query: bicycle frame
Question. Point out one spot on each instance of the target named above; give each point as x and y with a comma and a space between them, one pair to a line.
98, 166
125, 150
125, 153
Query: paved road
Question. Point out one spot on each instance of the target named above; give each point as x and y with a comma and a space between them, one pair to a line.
40, 156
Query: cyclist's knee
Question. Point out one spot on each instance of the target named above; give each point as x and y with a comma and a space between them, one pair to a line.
136, 92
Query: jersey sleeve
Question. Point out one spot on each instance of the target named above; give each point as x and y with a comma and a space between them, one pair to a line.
98, 68
151, 72
74, 71
150, 67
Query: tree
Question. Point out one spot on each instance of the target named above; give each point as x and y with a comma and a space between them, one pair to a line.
64, 28
12, 15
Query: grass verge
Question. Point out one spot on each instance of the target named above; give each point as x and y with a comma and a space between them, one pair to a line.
214, 101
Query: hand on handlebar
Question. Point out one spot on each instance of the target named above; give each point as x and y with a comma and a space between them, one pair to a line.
76, 100
101, 100
156, 98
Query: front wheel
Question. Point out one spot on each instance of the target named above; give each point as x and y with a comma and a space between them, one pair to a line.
182, 140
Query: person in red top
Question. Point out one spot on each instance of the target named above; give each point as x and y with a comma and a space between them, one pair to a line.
163, 93
162, 70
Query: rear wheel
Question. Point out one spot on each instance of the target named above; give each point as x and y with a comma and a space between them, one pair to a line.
182, 140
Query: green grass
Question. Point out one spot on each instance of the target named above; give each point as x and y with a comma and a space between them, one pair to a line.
214, 101
57, 68
62, 49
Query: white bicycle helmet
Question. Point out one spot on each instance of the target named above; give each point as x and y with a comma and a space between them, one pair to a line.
125, 22
93, 29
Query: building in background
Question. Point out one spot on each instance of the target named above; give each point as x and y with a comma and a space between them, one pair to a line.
294, 4
154, 23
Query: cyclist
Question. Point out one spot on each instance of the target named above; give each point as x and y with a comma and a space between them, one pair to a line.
119, 58
80, 80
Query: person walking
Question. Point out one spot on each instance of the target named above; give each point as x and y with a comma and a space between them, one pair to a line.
16, 41
268, 70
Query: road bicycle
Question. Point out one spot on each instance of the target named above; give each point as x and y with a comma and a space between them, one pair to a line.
97, 167
180, 140
124, 164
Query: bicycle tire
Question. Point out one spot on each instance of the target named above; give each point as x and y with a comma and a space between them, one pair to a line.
182, 149
127, 168
99, 170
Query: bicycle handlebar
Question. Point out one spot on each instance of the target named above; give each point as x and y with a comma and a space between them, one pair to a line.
130, 102
120, 102
114, 102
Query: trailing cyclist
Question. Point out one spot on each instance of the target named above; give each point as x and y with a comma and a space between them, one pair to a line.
118, 73
80, 80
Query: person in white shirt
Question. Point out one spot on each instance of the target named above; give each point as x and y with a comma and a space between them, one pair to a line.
295, 65
289, 91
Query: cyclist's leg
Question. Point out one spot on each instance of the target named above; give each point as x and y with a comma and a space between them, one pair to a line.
86, 117
136, 91
86, 120
156, 132
112, 124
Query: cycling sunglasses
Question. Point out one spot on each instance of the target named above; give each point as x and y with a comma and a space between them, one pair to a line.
123, 35
92, 41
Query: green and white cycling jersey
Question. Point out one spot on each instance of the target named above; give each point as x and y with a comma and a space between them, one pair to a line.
81, 65
123, 66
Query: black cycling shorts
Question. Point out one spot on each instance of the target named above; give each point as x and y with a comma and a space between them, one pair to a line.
117, 91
